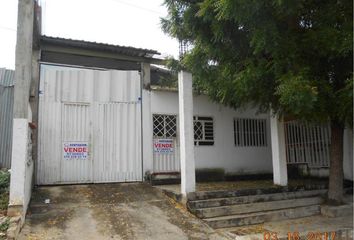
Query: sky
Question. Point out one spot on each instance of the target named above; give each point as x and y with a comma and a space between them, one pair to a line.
134, 23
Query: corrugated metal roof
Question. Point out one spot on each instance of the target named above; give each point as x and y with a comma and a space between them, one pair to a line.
130, 51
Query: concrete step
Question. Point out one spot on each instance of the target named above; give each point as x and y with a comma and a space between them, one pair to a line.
204, 195
261, 217
255, 207
217, 202
337, 211
164, 178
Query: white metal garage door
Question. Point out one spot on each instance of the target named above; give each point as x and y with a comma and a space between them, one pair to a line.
89, 126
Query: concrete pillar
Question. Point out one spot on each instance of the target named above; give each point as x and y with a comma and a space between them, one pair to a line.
34, 101
34, 86
147, 119
21, 162
280, 173
185, 98
146, 71
23, 61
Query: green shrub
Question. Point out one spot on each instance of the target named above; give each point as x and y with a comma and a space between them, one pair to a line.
4, 180
5, 225
4, 189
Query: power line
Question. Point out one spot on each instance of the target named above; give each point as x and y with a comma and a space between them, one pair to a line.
140, 7
7, 28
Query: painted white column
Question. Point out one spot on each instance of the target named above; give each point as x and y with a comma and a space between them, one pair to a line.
185, 98
18, 163
280, 173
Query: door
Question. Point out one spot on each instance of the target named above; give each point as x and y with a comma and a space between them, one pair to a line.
118, 143
76, 163
165, 144
89, 126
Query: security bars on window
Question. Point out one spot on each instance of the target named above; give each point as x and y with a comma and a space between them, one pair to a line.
250, 132
164, 125
307, 143
203, 131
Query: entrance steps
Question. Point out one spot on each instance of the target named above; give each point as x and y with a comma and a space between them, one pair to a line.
226, 209
164, 178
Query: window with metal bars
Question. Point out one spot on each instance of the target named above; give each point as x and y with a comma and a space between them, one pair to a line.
250, 132
164, 125
203, 131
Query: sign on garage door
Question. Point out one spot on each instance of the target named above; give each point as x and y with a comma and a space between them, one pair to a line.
89, 126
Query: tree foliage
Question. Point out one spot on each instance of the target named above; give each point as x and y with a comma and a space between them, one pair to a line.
295, 57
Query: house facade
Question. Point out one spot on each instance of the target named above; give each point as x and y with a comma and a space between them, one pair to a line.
103, 126
235, 141
100, 119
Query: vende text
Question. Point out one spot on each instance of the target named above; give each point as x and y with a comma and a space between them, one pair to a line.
76, 149
163, 145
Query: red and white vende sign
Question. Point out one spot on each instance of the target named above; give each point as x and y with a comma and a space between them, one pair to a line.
163, 146
75, 150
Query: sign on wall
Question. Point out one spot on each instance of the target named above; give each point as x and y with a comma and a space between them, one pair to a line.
75, 150
163, 146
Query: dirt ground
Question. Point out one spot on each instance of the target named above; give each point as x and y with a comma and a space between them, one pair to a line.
139, 211
110, 211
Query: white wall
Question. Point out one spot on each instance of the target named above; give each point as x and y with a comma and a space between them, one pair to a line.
224, 153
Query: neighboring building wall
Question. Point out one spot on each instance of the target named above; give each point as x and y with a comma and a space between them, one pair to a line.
223, 154
6, 116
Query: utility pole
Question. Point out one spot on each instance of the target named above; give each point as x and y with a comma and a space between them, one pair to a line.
21, 162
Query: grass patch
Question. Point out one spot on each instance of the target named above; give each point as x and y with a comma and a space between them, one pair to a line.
235, 185
4, 189
5, 225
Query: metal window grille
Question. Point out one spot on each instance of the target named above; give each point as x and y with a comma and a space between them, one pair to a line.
164, 125
203, 131
250, 132
307, 143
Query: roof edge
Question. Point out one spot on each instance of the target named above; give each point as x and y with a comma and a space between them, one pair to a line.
140, 52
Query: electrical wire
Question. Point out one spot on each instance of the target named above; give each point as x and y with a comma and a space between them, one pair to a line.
7, 28
139, 7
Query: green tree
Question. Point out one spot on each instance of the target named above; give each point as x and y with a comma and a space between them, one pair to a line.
294, 57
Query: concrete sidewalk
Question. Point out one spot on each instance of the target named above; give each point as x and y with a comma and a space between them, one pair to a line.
110, 211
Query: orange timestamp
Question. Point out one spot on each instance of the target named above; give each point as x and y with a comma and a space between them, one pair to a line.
296, 236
